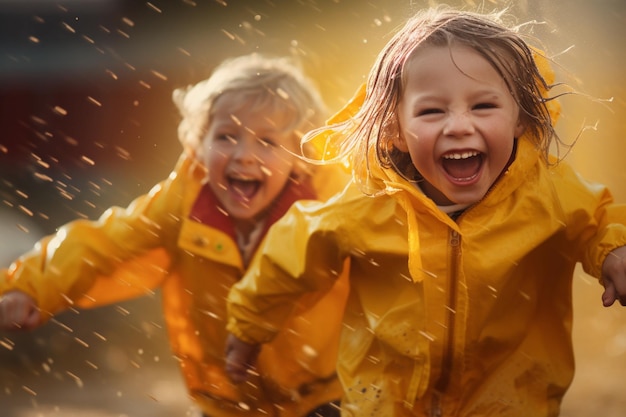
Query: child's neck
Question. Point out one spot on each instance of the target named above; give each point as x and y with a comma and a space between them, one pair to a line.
451, 209
248, 236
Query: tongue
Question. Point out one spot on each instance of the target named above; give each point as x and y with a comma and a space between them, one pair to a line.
246, 189
462, 168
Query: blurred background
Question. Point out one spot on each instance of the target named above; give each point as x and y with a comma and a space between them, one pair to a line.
87, 121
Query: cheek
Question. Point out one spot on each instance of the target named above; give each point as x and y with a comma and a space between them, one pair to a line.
421, 159
211, 157
278, 172
422, 152
420, 142
500, 153
276, 160
508, 152
214, 160
205, 149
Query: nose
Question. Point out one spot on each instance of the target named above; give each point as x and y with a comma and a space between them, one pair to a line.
244, 150
459, 124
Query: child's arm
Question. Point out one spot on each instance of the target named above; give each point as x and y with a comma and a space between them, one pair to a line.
598, 225
240, 357
18, 310
614, 277
304, 252
62, 268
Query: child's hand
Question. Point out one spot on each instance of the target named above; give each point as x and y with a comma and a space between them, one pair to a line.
240, 357
18, 310
614, 276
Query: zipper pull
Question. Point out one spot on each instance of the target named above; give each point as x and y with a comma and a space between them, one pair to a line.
455, 238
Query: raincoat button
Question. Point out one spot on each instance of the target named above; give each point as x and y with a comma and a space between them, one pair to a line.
200, 241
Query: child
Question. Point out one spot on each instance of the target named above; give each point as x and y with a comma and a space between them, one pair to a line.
461, 231
240, 129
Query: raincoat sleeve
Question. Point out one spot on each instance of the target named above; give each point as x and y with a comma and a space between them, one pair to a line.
302, 254
62, 269
599, 223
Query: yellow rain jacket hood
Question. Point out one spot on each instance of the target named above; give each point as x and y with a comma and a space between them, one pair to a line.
174, 238
444, 318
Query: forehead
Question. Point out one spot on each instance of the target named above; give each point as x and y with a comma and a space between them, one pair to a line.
258, 107
437, 64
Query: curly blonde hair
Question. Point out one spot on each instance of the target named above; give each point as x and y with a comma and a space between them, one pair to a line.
263, 83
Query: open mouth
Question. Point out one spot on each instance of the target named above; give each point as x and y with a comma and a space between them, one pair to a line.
244, 187
462, 166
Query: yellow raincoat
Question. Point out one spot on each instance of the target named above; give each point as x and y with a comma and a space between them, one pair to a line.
165, 239
444, 318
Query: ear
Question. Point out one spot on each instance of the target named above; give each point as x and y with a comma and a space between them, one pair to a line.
520, 128
400, 142
393, 131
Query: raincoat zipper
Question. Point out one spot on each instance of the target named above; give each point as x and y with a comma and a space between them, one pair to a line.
448, 354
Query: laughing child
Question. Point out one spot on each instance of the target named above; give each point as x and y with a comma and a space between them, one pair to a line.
238, 174
461, 230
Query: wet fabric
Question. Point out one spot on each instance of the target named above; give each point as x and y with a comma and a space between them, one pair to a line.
454, 318
175, 239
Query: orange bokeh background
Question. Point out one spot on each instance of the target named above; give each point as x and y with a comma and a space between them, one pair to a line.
87, 122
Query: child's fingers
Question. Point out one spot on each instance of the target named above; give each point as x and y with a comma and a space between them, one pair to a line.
609, 295
615, 289
614, 277
18, 312
12, 314
237, 365
32, 319
5, 319
240, 357
619, 284
236, 369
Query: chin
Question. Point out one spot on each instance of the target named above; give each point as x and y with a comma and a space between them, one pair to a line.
467, 199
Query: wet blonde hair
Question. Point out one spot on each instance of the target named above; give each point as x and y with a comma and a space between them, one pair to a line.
371, 130
262, 83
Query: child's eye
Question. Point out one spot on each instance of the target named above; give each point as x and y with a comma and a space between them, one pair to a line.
425, 112
226, 138
481, 106
267, 142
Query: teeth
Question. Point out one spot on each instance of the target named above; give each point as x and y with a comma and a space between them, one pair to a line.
463, 155
242, 178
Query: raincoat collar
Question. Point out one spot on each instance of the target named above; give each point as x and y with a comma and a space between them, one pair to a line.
208, 211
